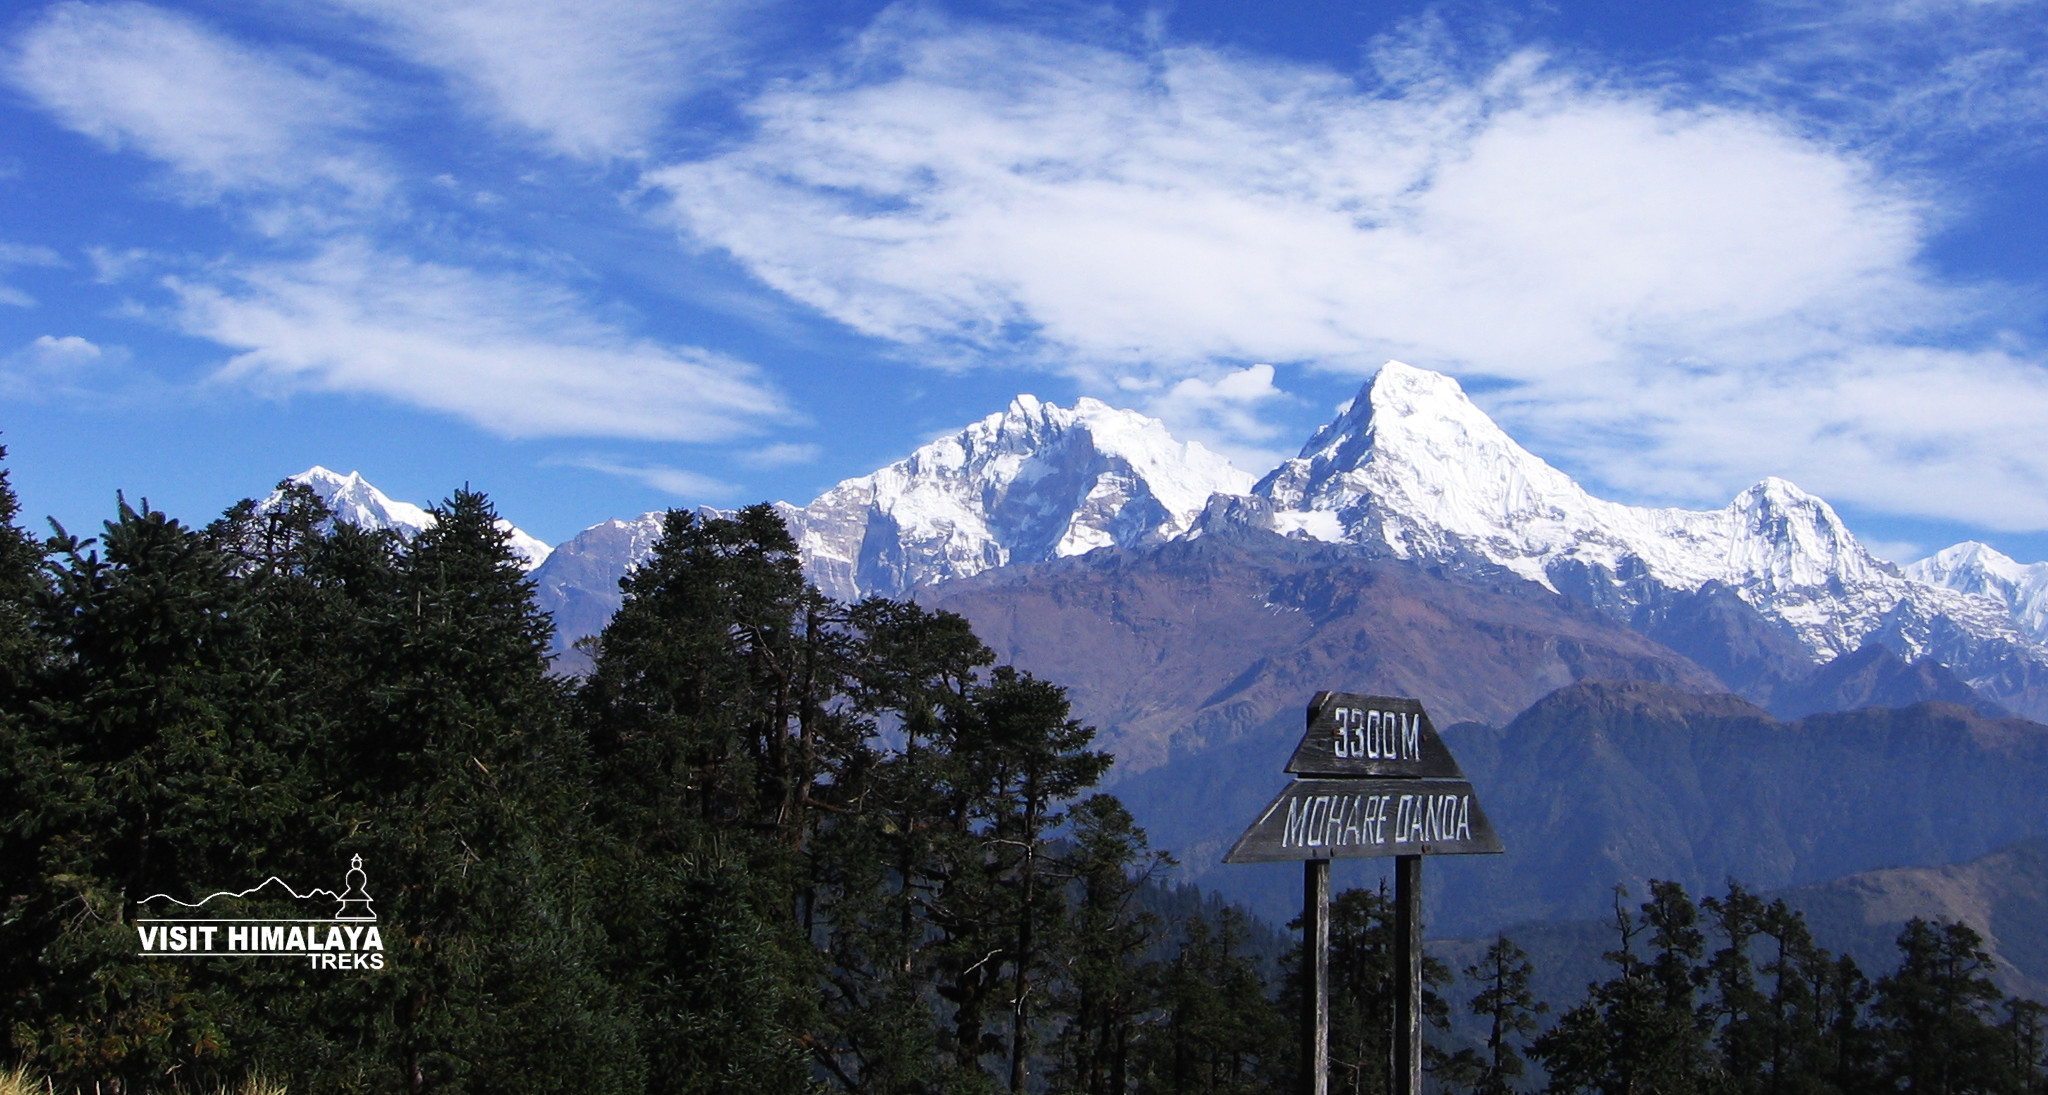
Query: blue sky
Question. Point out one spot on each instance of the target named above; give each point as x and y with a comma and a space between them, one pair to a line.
605, 256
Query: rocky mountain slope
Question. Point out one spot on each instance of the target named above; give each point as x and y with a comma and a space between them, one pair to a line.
1193, 645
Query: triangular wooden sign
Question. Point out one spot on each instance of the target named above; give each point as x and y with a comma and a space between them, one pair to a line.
1371, 736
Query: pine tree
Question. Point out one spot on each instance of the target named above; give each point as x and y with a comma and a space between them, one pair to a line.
1638, 1032
1509, 1009
1103, 990
2025, 1030
1935, 1013
705, 712
152, 761
449, 765
1029, 759
1792, 1024
898, 836
21, 584
1218, 1032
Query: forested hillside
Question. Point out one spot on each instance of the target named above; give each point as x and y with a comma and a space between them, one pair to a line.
771, 843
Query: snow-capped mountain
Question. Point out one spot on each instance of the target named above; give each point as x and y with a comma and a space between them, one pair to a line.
1971, 567
1034, 482
355, 501
1412, 466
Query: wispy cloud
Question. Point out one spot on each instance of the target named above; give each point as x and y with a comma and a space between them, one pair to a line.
786, 454
17, 254
51, 366
1914, 77
592, 77
1223, 412
338, 304
1001, 188
516, 357
224, 116
1680, 298
1895, 551
680, 482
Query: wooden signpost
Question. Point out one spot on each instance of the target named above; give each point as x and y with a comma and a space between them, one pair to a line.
1373, 779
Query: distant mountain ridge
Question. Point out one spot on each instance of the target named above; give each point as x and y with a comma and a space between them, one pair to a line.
1035, 481
354, 500
1411, 469
1607, 781
1977, 569
2002, 895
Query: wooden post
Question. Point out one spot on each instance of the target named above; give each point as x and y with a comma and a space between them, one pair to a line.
1315, 965
1408, 961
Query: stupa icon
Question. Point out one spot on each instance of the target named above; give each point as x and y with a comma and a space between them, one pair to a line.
355, 901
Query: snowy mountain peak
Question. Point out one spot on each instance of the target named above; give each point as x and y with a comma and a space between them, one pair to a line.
1413, 463
1979, 569
1415, 467
1035, 481
1974, 564
354, 500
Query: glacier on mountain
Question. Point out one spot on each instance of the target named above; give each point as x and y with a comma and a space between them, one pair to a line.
1413, 467
1036, 481
355, 501
1974, 568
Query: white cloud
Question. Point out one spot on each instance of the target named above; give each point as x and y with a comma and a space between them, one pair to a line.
23, 254
111, 266
516, 357
1681, 298
782, 455
18, 254
680, 482
67, 353
593, 77
1901, 552
1223, 413
1200, 207
1944, 433
224, 116
1919, 77
54, 365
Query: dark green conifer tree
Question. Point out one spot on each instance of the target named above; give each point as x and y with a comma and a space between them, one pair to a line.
1640, 1032
1104, 983
880, 862
2026, 1037
1217, 1032
154, 766
1509, 1009
449, 765
1363, 985
1935, 1013
707, 714
1792, 1023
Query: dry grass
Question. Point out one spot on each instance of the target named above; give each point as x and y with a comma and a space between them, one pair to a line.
21, 1080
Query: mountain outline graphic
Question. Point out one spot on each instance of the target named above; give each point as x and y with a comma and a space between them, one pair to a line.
351, 904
